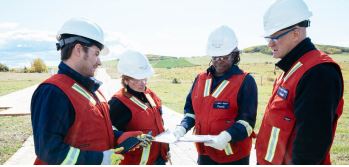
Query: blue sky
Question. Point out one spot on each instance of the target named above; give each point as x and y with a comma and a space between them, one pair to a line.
174, 28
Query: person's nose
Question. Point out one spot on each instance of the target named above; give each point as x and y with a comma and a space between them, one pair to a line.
144, 81
99, 61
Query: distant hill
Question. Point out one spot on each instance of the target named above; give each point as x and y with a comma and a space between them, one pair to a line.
168, 62
329, 49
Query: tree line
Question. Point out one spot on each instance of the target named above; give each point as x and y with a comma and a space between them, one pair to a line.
37, 66
328, 49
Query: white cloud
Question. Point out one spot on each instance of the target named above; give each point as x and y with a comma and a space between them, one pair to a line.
26, 41
117, 44
8, 26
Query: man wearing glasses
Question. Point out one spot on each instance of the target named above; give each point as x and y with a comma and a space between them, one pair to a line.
70, 116
222, 102
307, 99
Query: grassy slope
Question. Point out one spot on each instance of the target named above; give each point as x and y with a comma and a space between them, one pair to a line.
10, 82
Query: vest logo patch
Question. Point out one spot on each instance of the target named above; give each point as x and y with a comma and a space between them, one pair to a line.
221, 105
282, 92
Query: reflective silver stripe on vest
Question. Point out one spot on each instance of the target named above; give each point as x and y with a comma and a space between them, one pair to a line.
228, 150
100, 97
71, 157
207, 87
246, 125
220, 88
293, 69
139, 103
150, 99
82, 91
189, 115
273, 140
145, 155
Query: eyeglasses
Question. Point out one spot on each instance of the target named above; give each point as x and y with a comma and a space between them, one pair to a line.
139, 80
222, 58
227, 57
276, 38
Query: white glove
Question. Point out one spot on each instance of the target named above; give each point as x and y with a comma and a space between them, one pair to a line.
179, 132
220, 142
112, 156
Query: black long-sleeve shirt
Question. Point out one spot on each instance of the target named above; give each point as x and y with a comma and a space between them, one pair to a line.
317, 96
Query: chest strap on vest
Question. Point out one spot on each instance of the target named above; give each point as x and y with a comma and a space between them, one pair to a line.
220, 88
82, 91
293, 69
274, 137
100, 97
71, 157
150, 99
207, 87
145, 155
138, 102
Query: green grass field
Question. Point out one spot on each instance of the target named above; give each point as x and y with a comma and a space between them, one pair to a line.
14, 131
172, 63
10, 82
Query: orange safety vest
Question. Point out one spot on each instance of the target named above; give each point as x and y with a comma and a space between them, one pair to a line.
92, 129
216, 112
145, 118
276, 135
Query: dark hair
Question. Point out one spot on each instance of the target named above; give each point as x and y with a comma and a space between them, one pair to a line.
123, 79
67, 49
236, 56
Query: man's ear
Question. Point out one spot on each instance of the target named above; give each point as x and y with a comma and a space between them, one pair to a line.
298, 33
77, 50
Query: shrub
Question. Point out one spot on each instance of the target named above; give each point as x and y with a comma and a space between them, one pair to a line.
3, 68
332, 50
176, 81
26, 70
270, 79
38, 65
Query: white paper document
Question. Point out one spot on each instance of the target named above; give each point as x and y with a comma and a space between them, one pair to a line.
168, 137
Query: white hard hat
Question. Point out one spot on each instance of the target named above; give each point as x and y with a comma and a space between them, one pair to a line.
221, 42
135, 65
85, 28
284, 13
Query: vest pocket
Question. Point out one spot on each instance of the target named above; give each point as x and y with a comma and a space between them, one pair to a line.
219, 125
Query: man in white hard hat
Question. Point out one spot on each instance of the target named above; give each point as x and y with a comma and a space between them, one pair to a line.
222, 102
307, 99
135, 109
70, 116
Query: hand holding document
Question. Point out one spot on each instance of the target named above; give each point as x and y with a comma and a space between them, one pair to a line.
168, 137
